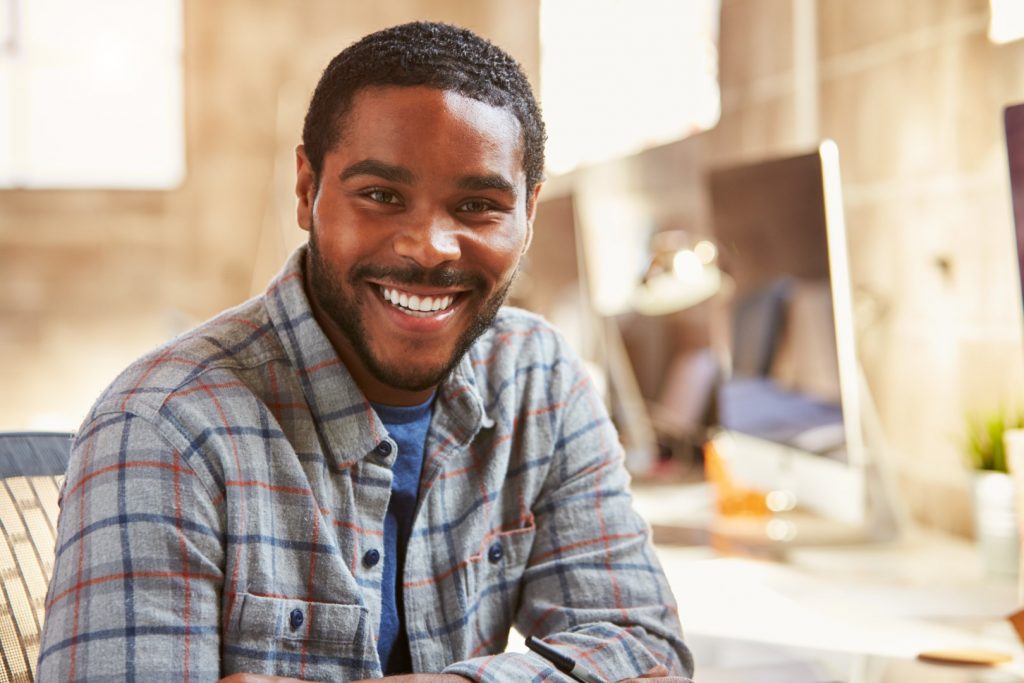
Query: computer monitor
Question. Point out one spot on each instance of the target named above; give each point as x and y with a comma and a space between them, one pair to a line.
789, 405
1013, 118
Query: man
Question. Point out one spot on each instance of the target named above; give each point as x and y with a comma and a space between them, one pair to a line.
372, 469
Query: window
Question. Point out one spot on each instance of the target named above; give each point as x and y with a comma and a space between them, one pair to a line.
1007, 21
618, 77
91, 94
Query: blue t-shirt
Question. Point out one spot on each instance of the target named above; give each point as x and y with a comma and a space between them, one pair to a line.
407, 425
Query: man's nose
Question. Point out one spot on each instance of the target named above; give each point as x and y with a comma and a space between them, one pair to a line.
431, 241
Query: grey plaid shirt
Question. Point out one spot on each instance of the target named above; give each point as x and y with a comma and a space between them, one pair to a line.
227, 493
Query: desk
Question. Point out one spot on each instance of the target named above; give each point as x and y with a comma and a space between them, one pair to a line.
853, 613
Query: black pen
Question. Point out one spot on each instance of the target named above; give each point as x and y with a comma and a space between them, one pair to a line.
563, 663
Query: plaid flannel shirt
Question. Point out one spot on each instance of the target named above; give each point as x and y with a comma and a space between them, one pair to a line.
224, 492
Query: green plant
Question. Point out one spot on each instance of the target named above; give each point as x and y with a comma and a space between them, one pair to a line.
985, 440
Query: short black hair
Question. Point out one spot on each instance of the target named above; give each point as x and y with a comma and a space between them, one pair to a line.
428, 54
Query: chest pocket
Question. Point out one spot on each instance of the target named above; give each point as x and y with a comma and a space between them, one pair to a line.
299, 638
493, 579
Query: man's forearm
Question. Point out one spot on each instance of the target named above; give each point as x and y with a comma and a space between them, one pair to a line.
660, 674
402, 678
421, 678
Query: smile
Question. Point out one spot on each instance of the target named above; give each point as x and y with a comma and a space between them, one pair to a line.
414, 304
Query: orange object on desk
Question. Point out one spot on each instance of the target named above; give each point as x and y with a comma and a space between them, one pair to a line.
731, 500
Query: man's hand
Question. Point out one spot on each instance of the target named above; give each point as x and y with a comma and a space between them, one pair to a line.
420, 678
658, 674
258, 678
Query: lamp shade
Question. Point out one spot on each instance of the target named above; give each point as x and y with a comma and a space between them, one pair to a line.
681, 273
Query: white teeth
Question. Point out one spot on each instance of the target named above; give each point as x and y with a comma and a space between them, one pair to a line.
424, 304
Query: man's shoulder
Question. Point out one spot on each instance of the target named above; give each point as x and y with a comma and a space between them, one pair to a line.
238, 338
516, 330
520, 343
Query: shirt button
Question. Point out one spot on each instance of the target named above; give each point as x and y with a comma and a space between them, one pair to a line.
371, 557
383, 449
495, 552
296, 619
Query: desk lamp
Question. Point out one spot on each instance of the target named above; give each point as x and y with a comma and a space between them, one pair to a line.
681, 273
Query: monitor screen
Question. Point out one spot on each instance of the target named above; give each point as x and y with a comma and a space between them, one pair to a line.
789, 404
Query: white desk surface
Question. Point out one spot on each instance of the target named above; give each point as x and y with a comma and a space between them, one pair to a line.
840, 610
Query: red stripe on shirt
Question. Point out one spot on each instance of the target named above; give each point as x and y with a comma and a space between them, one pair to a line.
145, 375
604, 540
243, 515
612, 578
121, 576
183, 548
86, 458
154, 464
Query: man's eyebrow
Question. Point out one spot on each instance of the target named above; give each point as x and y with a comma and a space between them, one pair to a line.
487, 182
396, 174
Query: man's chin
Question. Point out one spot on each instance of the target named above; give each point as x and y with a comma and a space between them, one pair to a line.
399, 376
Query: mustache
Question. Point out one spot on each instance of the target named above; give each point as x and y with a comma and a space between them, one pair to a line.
412, 274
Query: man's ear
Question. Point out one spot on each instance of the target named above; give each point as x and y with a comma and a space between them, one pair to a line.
531, 213
305, 189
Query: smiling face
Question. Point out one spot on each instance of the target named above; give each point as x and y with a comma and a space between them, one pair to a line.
416, 231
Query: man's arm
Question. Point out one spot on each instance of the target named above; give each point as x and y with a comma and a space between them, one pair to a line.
655, 676
593, 587
405, 678
136, 587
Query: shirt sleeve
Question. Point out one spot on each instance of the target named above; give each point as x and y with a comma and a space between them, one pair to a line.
136, 588
593, 587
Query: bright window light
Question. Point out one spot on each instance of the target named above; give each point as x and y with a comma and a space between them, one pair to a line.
91, 94
1007, 21
619, 77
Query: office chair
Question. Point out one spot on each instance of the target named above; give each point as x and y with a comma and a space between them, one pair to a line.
31, 473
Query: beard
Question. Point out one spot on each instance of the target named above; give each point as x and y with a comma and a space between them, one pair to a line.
344, 311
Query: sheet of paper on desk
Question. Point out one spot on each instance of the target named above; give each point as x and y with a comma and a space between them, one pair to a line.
875, 670
731, 660
789, 672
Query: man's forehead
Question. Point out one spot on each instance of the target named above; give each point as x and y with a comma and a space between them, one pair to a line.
407, 101
375, 133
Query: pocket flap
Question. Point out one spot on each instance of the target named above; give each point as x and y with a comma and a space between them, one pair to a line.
294, 619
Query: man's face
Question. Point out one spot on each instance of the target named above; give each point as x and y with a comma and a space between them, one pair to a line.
416, 232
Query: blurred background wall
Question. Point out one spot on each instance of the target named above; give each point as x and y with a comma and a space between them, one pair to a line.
911, 91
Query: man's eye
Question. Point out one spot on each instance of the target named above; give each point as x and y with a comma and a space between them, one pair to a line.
382, 196
476, 206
